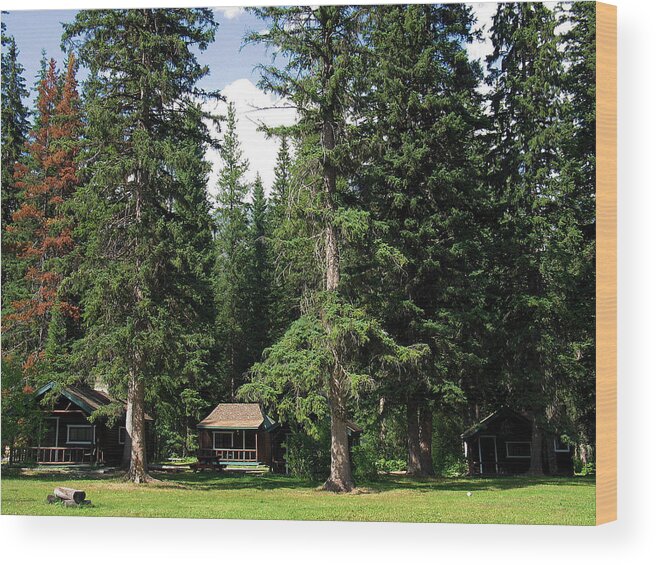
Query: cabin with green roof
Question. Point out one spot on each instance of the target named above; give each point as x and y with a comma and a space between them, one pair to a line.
69, 437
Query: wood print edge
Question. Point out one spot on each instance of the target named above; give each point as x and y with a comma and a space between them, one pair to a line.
606, 266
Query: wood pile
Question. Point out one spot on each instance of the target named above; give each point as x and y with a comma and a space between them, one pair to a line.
68, 497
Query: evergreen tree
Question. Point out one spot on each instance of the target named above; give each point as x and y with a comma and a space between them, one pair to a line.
232, 251
318, 43
259, 276
333, 339
145, 137
15, 126
41, 229
524, 173
420, 185
575, 258
281, 185
285, 290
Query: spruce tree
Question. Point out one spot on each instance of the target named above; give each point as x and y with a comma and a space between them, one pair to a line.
419, 183
330, 354
232, 255
15, 128
42, 226
15, 125
145, 136
259, 275
524, 175
575, 258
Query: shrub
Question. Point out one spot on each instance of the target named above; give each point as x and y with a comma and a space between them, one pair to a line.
364, 463
390, 465
307, 457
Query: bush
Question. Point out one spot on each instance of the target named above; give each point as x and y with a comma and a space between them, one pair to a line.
307, 457
390, 465
581, 469
453, 466
364, 463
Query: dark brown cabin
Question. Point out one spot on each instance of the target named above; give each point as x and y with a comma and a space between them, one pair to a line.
69, 437
501, 445
241, 434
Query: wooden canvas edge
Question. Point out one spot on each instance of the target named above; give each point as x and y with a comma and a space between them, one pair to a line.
606, 263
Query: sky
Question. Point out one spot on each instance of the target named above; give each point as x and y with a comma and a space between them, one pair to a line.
232, 71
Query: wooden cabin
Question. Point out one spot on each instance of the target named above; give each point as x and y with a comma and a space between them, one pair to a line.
70, 438
501, 445
241, 434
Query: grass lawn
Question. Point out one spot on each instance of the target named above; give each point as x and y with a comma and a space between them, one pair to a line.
518, 500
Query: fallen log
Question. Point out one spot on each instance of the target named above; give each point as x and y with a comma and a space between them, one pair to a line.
64, 493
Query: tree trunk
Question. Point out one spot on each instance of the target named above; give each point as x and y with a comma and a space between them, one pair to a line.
137, 471
341, 475
127, 447
426, 440
583, 453
535, 467
414, 451
552, 465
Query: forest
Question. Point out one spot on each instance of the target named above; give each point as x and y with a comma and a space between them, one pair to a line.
425, 256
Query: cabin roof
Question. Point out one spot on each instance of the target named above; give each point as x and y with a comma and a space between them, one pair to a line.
86, 398
488, 420
237, 415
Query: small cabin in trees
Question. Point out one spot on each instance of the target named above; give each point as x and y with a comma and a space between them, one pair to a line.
501, 445
241, 434
68, 436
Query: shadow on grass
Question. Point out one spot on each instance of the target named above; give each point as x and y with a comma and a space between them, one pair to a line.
389, 483
208, 480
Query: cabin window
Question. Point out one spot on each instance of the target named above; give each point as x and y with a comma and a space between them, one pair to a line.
82, 434
223, 440
560, 446
122, 431
518, 449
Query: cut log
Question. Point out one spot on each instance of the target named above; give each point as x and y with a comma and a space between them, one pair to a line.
65, 493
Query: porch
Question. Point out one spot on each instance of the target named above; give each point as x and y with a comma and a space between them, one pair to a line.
56, 455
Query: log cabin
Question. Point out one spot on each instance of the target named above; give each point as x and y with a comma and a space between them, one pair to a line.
68, 436
241, 434
501, 445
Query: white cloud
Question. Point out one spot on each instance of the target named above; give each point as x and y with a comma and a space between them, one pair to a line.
230, 12
253, 108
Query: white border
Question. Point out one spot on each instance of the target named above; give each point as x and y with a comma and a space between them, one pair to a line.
631, 538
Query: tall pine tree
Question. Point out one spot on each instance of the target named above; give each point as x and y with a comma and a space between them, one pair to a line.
41, 229
419, 183
232, 256
524, 174
145, 133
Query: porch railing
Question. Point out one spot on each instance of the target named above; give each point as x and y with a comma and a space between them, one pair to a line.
228, 455
56, 455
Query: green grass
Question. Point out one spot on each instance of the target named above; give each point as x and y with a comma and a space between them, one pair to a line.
519, 500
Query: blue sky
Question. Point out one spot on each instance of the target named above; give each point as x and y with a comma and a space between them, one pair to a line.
232, 70
35, 30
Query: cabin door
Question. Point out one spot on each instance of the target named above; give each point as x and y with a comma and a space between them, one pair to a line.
487, 451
